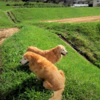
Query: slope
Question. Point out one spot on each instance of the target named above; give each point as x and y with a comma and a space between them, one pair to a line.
17, 82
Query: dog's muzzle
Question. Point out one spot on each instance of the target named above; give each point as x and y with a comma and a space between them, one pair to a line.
64, 54
24, 61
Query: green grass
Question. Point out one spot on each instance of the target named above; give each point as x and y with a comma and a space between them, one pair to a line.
3, 6
38, 14
18, 83
83, 36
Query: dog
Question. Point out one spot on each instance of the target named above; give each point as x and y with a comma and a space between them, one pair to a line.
53, 55
54, 79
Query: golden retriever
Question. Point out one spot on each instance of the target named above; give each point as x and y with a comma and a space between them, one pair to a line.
53, 55
54, 79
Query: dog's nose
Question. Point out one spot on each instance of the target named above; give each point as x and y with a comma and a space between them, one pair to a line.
66, 52
20, 62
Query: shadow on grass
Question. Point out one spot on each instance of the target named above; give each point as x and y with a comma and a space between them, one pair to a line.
28, 84
24, 68
19, 90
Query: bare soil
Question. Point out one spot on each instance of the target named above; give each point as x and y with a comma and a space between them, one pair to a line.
77, 20
4, 33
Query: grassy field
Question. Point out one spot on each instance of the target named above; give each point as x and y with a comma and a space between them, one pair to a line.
38, 14
17, 82
85, 37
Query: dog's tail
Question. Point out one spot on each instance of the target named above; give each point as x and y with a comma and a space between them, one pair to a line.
57, 95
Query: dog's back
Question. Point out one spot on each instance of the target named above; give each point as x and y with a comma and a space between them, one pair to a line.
50, 55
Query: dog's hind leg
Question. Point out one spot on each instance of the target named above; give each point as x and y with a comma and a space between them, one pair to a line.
47, 85
57, 95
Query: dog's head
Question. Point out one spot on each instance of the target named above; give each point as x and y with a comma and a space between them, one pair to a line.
24, 61
61, 49
26, 58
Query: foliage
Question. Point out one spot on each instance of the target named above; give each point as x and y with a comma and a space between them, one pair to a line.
32, 4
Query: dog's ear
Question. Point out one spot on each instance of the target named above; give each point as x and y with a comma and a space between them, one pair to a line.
59, 46
56, 50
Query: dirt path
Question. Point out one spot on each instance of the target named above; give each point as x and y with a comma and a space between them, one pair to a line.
77, 20
4, 33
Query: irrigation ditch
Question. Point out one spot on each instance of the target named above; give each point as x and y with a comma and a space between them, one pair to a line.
12, 17
75, 48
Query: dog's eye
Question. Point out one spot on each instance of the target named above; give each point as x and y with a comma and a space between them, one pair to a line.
24, 58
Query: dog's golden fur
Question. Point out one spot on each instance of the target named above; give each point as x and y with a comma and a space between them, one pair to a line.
53, 55
54, 79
